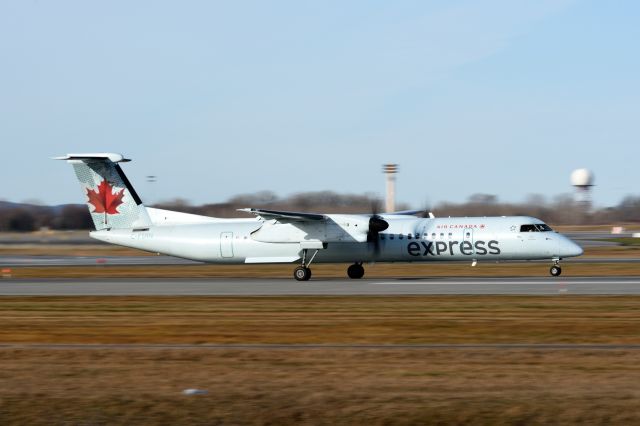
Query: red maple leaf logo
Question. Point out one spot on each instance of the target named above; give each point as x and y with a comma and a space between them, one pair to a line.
104, 200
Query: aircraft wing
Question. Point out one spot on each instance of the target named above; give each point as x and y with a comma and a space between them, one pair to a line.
286, 216
418, 213
406, 213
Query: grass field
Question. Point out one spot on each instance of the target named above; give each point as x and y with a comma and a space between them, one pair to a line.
321, 320
143, 385
378, 270
319, 387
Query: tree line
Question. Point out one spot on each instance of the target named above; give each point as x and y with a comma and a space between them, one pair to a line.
561, 210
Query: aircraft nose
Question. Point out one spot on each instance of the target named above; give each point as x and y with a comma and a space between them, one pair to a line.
570, 249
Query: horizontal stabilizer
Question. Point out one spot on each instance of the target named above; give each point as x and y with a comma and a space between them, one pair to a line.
113, 157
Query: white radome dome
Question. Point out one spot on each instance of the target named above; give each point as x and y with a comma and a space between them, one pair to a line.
582, 177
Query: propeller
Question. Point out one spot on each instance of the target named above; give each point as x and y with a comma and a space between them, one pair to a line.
376, 225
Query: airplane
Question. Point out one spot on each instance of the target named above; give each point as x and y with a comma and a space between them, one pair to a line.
274, 236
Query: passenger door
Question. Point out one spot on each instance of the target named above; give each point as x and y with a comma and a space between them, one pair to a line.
467, 236
226, 244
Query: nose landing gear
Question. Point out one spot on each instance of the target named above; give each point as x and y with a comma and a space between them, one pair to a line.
556, 270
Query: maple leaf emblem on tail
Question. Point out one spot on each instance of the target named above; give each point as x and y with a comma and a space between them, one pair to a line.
104, 200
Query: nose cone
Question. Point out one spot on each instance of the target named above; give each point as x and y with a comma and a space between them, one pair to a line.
569, 249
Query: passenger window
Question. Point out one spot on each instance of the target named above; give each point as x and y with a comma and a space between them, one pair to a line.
442, 235
468, 234
433, 236
409, 236
391, 237
382, 236
400, 236
528, 228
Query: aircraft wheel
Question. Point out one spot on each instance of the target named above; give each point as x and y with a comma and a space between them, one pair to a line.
555, 270
302, 273
355, 271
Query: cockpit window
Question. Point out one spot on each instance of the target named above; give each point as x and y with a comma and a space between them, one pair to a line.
538, 227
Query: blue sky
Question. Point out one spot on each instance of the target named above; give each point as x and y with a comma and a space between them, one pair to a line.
504, 97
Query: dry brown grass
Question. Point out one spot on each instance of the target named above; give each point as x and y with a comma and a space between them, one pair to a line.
322, 386
321, 320
319, 387
378, 270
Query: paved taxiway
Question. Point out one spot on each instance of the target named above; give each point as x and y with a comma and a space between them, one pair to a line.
321, 287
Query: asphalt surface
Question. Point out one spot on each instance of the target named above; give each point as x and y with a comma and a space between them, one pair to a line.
321, 287
16, 261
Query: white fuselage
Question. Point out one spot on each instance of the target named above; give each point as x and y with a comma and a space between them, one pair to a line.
343, 238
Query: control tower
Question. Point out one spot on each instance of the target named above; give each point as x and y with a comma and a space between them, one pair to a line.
390, 170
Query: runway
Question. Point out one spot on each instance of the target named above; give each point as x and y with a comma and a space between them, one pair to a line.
18, 260
322, 287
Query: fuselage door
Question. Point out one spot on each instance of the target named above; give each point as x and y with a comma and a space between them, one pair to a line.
226, 244
467, 237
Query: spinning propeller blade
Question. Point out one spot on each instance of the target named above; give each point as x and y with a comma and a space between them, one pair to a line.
376, 225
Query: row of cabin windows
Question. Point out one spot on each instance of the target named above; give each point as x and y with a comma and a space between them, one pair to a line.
524, 228
425, 236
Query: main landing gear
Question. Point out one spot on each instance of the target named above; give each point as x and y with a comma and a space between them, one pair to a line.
556, 270
303, 272
355, 271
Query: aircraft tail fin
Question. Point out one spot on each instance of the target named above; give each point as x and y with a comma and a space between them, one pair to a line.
112, 201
